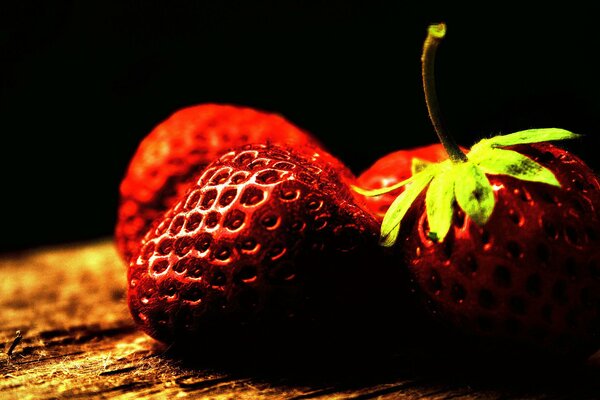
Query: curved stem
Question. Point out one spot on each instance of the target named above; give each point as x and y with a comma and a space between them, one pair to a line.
435, 34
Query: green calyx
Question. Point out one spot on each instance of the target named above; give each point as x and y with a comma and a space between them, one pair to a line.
465, 184
461, 181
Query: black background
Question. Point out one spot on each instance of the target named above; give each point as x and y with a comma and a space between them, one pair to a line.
82, 83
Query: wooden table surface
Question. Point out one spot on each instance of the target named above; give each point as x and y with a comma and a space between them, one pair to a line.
78, 341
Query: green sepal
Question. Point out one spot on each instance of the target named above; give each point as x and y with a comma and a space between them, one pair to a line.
384, 190
390, 227
474, 193
465, 182
417, 165
527, 136
507, 162
439, 203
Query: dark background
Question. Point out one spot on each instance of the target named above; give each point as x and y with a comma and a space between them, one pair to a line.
82, 84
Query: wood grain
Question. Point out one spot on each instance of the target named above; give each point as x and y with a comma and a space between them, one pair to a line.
78, 341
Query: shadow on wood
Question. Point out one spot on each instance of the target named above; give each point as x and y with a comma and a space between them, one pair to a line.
78, 341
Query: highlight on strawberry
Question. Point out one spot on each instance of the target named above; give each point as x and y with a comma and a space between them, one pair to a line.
501, 241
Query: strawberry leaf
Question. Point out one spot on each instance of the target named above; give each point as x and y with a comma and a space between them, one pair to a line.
529, 136
474, 193
507, 162
383, 190
417, 165
388, 239
391, 222
438, 201
465, 182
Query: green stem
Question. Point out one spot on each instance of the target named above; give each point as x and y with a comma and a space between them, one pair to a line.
435, 34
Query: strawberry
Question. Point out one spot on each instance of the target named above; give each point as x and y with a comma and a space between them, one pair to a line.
265, 235
531, 272
503, 242
178, 149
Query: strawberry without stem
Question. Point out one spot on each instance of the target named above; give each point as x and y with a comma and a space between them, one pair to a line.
265, 235
178, 149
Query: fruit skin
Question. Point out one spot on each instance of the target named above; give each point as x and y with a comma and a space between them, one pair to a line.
393, 168
267, 236
531, 274
179, 148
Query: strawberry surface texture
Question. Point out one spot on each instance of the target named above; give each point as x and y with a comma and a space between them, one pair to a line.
266, 235
178, 149
531, 273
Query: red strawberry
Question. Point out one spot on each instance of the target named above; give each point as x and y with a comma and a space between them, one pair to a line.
531, 272
267, 234
178, 149
504, 243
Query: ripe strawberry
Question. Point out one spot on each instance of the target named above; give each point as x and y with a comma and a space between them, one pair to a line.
531, 272
394, 168
178, 149
267, 234
504, 243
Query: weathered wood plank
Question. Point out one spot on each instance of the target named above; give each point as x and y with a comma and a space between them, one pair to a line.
78, 341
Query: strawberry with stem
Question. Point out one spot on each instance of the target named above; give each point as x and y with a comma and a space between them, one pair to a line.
502, 241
